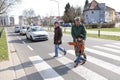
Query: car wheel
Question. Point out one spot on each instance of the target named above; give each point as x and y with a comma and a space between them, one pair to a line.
27, 37
31, 38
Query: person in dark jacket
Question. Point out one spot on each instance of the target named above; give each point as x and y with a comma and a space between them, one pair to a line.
58, 39
77, 29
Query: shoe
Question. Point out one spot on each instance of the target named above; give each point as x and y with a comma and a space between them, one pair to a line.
65, 52
75, 65
83, 62
75, 61
55, 56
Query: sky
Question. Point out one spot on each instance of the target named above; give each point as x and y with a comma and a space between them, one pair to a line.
50, 7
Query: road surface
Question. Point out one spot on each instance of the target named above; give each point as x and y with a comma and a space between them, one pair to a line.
103, 59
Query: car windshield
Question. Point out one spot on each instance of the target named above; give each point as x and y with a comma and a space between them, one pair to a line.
17, 27
36, 29
24, 27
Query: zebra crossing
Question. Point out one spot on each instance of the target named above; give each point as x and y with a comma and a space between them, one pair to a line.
106, 50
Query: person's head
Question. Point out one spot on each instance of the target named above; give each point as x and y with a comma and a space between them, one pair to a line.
80, 38
56, 24
77, 20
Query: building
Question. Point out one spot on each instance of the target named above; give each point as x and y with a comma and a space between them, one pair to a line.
12, 21
96, 13
4, 20
22, 20
31, 21
117, 17
55, 18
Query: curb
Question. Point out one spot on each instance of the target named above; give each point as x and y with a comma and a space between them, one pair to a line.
16, 63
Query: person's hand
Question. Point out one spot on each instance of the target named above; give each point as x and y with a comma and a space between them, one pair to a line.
58, 41
69, 43
84, 41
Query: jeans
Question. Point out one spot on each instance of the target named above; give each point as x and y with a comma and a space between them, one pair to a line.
60, 48
79, 58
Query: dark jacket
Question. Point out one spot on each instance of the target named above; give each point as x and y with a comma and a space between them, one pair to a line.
77, 30
57, 35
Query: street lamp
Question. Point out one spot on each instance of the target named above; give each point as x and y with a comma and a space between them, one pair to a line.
58, 6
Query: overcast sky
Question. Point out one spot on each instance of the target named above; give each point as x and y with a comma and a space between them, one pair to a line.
50, 8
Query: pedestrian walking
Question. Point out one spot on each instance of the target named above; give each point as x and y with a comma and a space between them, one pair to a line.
77, 29
80, 46
58, 39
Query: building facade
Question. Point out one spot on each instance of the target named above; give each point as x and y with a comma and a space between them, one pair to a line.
96, 13
31, 21
5, 20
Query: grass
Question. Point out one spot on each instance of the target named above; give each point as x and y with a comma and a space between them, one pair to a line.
117, 29
3, 47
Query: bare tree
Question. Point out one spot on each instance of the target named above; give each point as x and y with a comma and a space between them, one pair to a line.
29, 14
6, 4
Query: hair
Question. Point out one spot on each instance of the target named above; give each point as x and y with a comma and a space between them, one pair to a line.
56, 22
77, 19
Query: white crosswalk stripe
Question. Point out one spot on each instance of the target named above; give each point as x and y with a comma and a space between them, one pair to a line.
113, 46
44, 69
107, 49
117, 43
80, 70
101, 63
111, 56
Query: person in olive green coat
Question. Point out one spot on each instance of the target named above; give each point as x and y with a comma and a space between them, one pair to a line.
77, 29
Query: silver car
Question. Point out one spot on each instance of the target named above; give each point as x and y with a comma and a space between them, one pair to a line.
36, 33
17, 29
23, 30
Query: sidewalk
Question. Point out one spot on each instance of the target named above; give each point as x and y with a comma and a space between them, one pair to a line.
104, 33
11, 69
68, 29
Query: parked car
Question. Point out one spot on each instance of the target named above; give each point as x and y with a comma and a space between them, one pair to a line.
23, 30
36, 33
67, 25
17, 29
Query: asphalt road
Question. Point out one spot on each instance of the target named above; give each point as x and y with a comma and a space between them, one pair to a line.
103, 59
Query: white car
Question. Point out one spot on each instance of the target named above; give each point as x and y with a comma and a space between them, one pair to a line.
17, 29
36, 33
23, 30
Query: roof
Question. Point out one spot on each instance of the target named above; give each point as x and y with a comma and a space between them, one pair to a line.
94, 5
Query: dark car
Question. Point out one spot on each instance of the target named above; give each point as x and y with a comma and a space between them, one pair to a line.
67, 25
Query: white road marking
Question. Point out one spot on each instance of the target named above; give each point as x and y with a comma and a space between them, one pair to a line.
19, 38
93, 51
107, 49
113, 46
117, 43
102, 63
80, 70
30, 48
44, 69
23, 42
